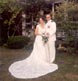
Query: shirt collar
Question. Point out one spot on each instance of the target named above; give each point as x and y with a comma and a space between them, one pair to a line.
49, 20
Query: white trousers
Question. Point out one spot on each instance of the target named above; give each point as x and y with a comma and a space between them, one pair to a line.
50, 51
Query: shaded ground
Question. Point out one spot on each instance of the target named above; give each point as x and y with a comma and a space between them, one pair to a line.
68, 66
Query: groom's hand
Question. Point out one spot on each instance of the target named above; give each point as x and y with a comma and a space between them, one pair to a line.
47, 34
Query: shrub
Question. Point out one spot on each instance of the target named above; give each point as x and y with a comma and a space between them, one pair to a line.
17, 42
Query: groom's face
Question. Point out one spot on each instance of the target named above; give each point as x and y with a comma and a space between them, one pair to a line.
48, 17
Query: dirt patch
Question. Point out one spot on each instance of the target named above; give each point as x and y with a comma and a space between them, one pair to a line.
71, 76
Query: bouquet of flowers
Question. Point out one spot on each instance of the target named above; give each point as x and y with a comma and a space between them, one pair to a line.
44, 38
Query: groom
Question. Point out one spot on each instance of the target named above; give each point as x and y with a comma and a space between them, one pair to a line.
51, 33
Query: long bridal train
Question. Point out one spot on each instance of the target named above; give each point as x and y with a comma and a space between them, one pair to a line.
35, 65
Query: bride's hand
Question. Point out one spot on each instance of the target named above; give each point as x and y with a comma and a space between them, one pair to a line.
47, 34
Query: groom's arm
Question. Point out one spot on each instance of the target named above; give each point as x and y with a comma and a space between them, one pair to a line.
52, 29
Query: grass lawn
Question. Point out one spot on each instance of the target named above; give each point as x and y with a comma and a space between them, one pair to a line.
68, 66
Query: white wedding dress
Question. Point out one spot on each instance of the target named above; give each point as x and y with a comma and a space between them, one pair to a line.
36, 64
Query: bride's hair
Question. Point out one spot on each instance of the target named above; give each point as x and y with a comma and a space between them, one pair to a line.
42, 17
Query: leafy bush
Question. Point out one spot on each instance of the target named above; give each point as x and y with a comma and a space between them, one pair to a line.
17, 42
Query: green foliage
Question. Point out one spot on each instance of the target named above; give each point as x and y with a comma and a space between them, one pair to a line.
67, 11
17, 42
10, 6
15, 8
38, 3
66, 14
67, 19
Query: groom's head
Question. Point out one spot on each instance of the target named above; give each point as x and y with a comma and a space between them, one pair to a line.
48, 17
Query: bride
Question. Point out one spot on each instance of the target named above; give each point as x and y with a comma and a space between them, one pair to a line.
36, 64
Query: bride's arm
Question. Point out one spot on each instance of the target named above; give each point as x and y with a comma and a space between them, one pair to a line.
36, 31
